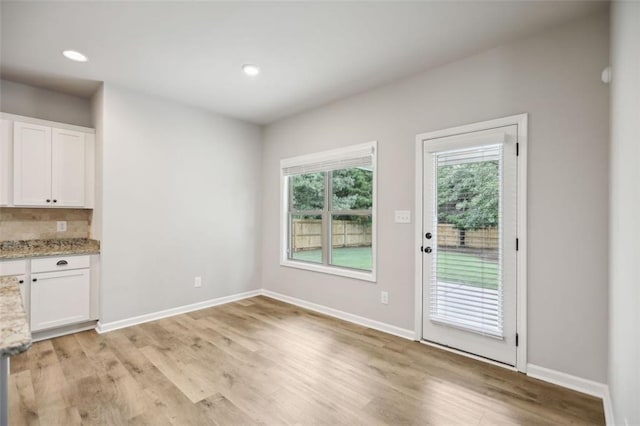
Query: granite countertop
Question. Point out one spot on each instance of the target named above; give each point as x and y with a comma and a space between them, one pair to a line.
39, 248
15, 336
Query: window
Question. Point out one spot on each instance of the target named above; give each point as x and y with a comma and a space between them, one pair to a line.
330, 197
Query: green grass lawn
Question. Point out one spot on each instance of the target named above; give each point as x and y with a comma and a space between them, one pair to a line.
349, 257
462, 268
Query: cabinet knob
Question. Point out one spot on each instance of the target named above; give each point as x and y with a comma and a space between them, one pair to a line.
48, 201
34, 280
21, 282
55, 201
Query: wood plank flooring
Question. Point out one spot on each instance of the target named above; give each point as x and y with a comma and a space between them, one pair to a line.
261, 361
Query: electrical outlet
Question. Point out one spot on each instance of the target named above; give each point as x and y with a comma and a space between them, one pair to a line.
198, 282
384, 297
61, 226
403, 216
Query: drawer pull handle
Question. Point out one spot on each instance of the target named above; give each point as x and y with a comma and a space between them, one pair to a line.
62, 263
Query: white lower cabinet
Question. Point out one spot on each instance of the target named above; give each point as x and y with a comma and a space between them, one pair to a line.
58, 292
60, 298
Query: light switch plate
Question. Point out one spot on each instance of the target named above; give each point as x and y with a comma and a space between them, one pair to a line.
403, 216
61, 226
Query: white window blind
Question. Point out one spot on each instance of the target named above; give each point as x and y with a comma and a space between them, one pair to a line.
467, 268
360, 156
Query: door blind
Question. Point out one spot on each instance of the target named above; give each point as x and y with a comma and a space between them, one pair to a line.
466, 275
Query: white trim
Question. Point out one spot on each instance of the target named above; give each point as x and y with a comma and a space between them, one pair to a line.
468, 355
609, 416
366, 322
332, 270
38, 336
47, 123
579, 384
418, 229
115, 325
521, 255
520, 121
590, 387
284, 224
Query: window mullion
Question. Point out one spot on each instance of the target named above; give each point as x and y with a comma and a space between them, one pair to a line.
290, 217
326, 220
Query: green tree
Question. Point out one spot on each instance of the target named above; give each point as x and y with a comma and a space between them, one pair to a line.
308, 191
468, 195
352, 189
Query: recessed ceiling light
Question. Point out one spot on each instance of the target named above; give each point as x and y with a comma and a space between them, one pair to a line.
251, 70
74, 55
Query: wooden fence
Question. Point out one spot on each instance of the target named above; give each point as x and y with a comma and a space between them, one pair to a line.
307, 234
450, 236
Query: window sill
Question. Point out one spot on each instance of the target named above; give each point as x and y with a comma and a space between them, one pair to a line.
331, 270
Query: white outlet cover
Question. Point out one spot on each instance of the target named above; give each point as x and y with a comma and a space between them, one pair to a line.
198, 281
61, 226
384, 297
403, 216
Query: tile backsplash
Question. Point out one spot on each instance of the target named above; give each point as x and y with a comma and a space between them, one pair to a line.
35, 224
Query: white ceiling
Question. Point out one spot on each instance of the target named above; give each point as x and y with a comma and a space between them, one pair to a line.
311, 53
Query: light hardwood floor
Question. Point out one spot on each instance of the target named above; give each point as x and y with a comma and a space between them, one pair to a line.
263, 361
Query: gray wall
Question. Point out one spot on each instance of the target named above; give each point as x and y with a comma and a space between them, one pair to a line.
624, 303
181, 198
554, 76
17, 98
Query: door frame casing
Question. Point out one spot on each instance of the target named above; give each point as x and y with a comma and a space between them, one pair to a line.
519, 120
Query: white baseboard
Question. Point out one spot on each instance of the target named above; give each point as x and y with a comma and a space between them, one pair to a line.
590, 387
366, 322
567, 380
609, 418
115, 325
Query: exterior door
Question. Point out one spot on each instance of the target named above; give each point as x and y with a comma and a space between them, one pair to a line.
469, 256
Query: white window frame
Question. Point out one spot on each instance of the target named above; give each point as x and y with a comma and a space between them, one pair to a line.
302, 160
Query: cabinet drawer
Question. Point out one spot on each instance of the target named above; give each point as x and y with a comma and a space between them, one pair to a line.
59, 263
13, 267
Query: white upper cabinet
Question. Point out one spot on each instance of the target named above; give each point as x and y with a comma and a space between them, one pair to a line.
52, 167
31, 165
68, 168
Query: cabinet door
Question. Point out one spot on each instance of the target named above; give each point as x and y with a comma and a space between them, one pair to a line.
6, 158
31, 165
68, 168
59, 298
